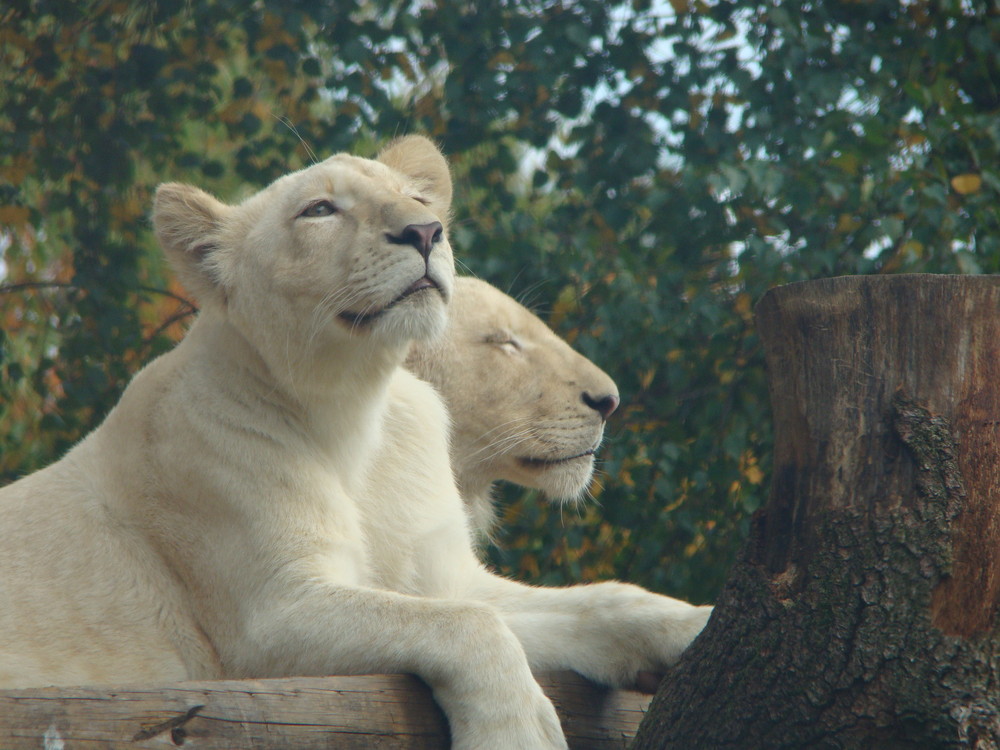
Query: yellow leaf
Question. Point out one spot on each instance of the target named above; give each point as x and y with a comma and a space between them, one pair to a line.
692, 549
674, 505
754, 475
276, 70
847, 223
848, 163
13, 216
501, 58
743, 305
260, 110
965, 184
127, 210
231, 112
18, 168
102, 53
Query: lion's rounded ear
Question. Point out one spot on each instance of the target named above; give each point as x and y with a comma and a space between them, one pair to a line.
188, 223
418, 158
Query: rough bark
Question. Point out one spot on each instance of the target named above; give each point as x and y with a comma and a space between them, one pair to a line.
862, 613
392, 712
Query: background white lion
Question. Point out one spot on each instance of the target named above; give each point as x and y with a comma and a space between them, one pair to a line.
525, 407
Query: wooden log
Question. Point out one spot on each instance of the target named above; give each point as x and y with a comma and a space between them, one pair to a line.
864, 610
389, 712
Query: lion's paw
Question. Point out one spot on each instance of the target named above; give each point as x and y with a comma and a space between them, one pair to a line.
530, 725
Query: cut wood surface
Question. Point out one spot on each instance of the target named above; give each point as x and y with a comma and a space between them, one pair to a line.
391, 712
863, 612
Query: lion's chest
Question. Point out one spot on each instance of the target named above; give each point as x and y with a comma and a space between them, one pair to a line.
398, 523
409, 545
412, 518
382, 534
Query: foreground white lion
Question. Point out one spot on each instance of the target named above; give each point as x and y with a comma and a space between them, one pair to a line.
525, 407
273, 497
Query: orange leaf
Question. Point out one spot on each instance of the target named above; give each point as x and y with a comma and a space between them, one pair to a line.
14, 216
965, 184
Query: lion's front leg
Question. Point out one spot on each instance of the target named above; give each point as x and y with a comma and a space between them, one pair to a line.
473, 663
613, 633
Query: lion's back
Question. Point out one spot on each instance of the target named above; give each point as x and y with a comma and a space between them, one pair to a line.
82, 600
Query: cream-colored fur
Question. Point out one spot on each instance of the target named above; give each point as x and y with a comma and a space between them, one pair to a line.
273, 497
525, 407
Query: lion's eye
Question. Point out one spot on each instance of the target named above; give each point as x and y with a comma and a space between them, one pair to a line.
319, 208
506, 341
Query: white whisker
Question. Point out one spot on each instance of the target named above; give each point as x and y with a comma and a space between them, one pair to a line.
326, 309
288, 124
503, 443
466, 268
518, 420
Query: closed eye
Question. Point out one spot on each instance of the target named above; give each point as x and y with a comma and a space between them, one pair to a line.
319, 209
506, 341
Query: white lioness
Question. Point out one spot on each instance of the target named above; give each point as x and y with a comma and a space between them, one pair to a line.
525, 407
274, 497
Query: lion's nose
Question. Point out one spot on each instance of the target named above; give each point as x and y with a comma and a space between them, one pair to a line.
603, 405
421, 236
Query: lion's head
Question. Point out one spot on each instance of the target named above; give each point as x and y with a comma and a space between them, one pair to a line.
525, 407
343, 251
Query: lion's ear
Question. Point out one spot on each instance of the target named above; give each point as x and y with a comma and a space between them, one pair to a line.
187, 223
418, 158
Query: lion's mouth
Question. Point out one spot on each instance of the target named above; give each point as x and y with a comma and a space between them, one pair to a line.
541, 463
364, 318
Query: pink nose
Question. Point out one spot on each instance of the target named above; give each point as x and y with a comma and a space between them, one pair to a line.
421, 236
603, 405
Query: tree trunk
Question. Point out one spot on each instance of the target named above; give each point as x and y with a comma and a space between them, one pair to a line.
862, 613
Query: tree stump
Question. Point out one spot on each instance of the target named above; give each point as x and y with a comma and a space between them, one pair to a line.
863, 611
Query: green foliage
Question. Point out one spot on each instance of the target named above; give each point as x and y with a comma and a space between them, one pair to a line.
641, 172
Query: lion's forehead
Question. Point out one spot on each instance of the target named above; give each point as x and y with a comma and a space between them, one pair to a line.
346, 178
348, 167
348, 175
484, 311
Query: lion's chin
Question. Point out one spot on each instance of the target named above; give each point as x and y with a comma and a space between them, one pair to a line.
420, 316
563, 480
365, 318
419, 313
